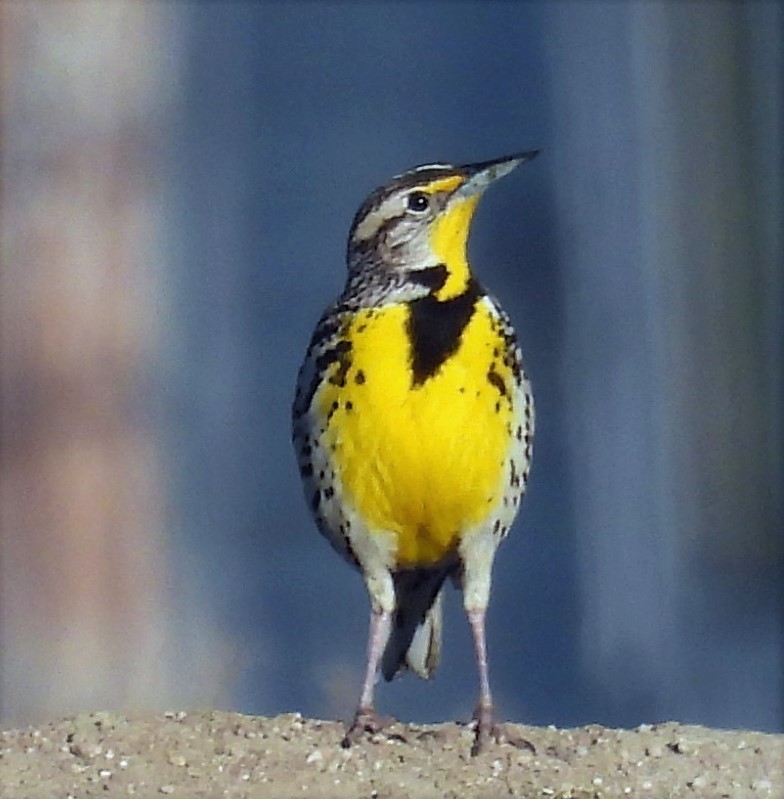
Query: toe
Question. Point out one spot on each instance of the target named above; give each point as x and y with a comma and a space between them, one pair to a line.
366, 722
487, 731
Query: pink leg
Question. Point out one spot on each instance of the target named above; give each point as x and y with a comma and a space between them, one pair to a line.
366, 719
485, 726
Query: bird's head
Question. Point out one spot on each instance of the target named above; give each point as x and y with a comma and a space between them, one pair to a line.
416, 226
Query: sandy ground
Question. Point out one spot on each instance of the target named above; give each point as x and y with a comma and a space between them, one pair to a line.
230, 755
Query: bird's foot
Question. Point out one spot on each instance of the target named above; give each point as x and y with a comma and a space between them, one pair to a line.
366, 722
486, 730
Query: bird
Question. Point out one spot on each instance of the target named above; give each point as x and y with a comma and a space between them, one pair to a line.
413, 423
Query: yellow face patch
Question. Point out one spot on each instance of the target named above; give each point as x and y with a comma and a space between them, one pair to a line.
449, 235
448, 240
447, 185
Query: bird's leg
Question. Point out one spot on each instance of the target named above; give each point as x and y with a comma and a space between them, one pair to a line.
366, 719
483, 715
477, 553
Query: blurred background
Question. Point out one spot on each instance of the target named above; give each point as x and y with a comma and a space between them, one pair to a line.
177, 185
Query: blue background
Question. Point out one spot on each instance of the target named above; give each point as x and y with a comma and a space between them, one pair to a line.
291, 114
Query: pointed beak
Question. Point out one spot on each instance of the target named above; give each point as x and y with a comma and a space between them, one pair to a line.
480, 176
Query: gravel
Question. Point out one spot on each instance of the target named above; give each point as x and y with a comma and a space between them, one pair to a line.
230, 755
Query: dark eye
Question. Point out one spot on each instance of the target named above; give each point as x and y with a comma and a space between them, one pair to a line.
418, 201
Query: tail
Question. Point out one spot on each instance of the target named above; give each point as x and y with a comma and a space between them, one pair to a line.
415, 639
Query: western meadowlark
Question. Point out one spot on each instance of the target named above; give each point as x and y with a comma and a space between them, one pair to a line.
413, 421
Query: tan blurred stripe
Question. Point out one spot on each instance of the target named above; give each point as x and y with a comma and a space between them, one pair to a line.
82, 514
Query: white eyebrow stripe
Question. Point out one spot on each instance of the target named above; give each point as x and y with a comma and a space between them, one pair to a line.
371, 223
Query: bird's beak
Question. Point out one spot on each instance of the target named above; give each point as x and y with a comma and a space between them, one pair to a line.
481, 175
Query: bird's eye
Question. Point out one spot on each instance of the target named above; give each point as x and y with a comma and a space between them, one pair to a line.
418, 201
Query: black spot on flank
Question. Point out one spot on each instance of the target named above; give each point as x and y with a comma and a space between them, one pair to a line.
519, 433
435, 329
497, 407
497, 381
361, 328
321, 475
497, 525
349, 405
432, 278
514, 477
340, 353
325, 330
329, 492
359, 377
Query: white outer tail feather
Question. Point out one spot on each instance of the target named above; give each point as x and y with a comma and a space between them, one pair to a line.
424, 653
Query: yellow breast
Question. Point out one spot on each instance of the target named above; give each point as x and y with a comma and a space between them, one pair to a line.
423, 462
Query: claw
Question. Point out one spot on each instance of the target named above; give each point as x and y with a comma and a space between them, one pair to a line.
487, 731
366, 722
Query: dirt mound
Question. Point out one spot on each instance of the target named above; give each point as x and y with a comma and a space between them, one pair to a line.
230, 755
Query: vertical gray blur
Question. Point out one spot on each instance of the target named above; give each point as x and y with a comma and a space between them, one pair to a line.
668, 186
85, 576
